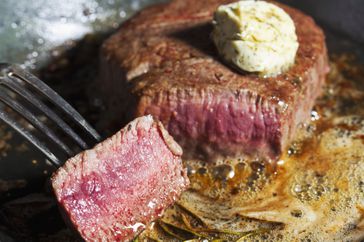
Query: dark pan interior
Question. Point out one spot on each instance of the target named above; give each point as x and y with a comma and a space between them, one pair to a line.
345, 17
71, 74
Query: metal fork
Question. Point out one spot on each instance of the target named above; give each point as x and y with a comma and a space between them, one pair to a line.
14, 80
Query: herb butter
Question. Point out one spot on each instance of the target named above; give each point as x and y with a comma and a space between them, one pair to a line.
255, 36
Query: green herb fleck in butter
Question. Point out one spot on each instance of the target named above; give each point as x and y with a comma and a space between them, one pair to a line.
256, 36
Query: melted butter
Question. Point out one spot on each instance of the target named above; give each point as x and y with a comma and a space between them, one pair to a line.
316, 193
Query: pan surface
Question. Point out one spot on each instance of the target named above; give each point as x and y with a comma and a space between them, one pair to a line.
54, 39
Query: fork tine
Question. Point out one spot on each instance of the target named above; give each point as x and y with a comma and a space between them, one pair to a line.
56, 99
12, 83
26, 134
33, 120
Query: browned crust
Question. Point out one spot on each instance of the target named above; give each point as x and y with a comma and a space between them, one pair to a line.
162, 39
167, 47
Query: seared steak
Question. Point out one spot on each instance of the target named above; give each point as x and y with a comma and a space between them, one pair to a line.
163, 62
111, 192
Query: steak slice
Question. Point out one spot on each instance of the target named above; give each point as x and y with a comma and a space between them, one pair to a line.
112, 191
163, 62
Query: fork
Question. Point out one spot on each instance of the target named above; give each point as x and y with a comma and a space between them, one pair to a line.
20, 89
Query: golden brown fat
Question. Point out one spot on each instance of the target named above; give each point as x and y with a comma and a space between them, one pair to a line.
168, 139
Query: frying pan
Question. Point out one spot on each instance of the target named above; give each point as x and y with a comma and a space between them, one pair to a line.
55, 38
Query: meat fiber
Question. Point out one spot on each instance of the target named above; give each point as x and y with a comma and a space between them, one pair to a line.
111, 192
163, 62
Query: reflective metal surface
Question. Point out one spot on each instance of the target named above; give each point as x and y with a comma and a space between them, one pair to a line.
29, 29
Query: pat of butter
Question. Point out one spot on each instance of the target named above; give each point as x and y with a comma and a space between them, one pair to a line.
255, 36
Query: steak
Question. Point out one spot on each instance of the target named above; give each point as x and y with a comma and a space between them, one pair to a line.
163, 62
111, 192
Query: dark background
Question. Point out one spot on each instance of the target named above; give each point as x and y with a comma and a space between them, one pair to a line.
344, 16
